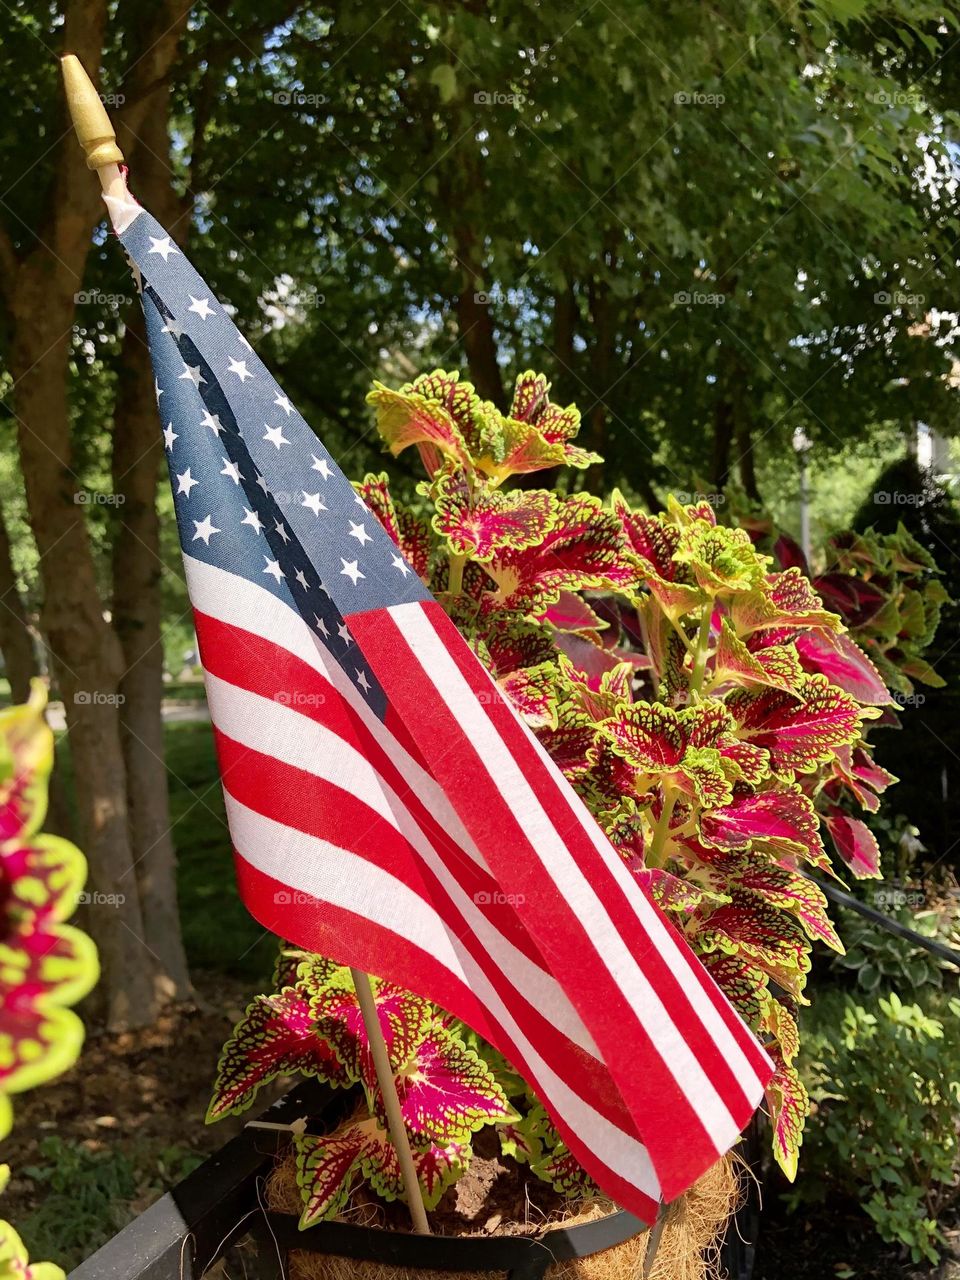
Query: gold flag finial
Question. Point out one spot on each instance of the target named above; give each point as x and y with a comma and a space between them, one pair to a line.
89, 116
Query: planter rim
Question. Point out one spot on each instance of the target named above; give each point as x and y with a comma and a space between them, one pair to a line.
457, 1253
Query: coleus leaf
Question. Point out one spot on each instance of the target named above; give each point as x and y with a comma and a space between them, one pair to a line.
583, 550
518, 449
673, 893
782, 887
446, 1090
480, 522
844, 663
788, 1103
776, 666
800, 731
572, 613
722, 560
659, 740
26, 758
786, 601
534, 693
781, 822
653, 542
531, 403
405, 417
15, 1261
745, 985
278, 1035
511, 643
562, 1170
856, 601
781, 1023
46, 964
410, 532
404, 1021
856, 844
327, 1166
769, 936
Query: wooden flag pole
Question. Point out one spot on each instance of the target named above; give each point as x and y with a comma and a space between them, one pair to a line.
99, 142
94, 130
391, 1101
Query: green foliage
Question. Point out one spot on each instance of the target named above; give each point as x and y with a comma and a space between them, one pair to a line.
87, 1195
880, 960
886, 1080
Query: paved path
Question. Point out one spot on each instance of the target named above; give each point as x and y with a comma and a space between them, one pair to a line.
184, 711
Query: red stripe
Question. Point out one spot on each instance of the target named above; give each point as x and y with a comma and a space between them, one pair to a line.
659, 1105
250, 662
560, 803
299, 800
354, 940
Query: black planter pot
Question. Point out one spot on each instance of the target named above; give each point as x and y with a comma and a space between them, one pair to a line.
523, 1258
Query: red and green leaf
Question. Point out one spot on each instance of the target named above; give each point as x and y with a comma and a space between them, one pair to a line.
800, 731
856, 844
788, 1103
327, 1167
278, 1035
404, 1020
782, 823
447, 1092
481, 522
760, 931
845, 664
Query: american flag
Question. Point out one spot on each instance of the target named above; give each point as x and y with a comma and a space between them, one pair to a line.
387, 807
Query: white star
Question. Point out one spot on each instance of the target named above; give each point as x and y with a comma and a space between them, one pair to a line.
275, 435
232, 470
163, 247
243, 342
284, 404
191, 374
281, 529
169, 436
239, 367
360, 502
321, 627
201, 306
273, 568
172, 327
321, 465
401, 564
211, 420
350, 570
253, 520
359, 532
301, 578
185, 482
363, 682
262, 483
204, 530
157, 390
343, 633
313, 502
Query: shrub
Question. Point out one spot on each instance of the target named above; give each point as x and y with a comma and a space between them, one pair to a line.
885, 1078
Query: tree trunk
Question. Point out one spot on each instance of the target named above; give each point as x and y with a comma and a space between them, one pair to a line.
16, 641
475, 321
86, 655
564, 330
137, 569
723, 424
746, 459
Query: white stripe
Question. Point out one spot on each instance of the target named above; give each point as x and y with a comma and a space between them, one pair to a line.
241, 603
652, 923
273, 729
679, 1059
322, 870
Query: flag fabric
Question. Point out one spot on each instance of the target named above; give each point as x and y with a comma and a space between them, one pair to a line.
386, 805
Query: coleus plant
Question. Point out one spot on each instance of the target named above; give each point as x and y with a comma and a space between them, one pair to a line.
45, 964
886, 590
661, 661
